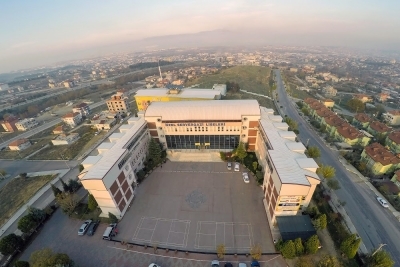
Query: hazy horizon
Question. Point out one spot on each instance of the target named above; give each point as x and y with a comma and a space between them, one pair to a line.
45, 32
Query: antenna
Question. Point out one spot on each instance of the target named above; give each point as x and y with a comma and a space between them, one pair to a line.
159, 69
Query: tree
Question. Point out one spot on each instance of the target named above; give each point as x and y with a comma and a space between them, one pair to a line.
68, 202
298, 244
73, 185
256, 252
154, 151
329, 261
355, 105
81, 168
322, 221
313, 152
66, 188
288, 250
10, 243
112, 217
221, 251
47, 258
304, 262
305, 111
312, 244
240, 151
27, 223
292, 124
326, 171
21, 264
23, 175
55, 190
2, 173
333, 184
350, 245
92, 203
380, 259
255, 165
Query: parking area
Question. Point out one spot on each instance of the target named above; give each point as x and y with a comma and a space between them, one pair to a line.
197, 206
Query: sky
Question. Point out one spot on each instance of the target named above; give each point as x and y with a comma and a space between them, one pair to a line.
39, 32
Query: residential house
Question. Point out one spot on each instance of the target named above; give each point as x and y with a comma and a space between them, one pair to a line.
361, 120
382, 97
396, 178
119, 103
329, 103
392, 117
378, 129
19, 144
104, 121
82, 108
322, 113
362, 97
26, 124
379, 160
329, 91
350, 135
332, 122
393, 142
63, 139
72, 119
59, 130
9, 124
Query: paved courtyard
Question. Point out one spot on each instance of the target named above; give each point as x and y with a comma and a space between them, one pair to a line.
197, 206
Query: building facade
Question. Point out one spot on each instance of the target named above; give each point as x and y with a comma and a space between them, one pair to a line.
379, 160
63, 139
19, 144
26, 124
72, 119
204, 125
110, 176
392, 117
82, 108
9, 124
118, 103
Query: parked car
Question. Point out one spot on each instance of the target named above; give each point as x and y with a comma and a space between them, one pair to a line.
92, 228
382, 202
84, 227
237, 166
215, 263
241, 264
246, 177
255, 263
154, 265
228, 264
229, 166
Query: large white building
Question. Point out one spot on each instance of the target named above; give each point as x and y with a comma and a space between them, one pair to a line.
110, 176
26, 124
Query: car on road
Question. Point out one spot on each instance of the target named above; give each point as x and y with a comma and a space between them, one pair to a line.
229, 166
215, 263
92, 228
154, 265
237, 167
382, 202
84, 227
255, 263
246, 177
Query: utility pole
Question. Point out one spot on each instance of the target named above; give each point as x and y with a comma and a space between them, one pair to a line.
378, 249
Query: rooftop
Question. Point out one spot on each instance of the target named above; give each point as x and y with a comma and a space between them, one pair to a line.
81, 105
183, 93
334, 120
349, 132
71, 115
18, 142
394, 112
203, 110
380, 154
395, 137
379, 127
362, 117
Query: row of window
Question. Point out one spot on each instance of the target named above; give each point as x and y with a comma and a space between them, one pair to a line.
202, 141
204, 129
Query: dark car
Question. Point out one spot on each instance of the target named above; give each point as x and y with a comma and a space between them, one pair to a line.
92, 228
255, 263
228, 264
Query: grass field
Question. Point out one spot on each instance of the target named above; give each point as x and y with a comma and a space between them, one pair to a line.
17, 192
68, 152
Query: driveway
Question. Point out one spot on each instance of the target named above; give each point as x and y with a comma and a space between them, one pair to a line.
195, 207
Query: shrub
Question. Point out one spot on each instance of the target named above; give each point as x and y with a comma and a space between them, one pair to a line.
112, 217
288, 250
350, 246
312, 244
259, 177
222, 155
298, 244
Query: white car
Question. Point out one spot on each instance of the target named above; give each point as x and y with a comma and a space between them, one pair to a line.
154, 265
241, 264
229, 166
84, 227
246, 177
215, 263
237, 167
382, 202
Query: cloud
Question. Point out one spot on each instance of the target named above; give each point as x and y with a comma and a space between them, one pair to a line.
23, 44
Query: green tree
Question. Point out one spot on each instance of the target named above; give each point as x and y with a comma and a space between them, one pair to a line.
320, 222
305, 111
92, 203
312, 244
27, 223
256, 252
333, 184
47, 258
326, 171
255, 165
304, 262
73, 185
55, 190
112, 217
355, 105
10, 243
68, 202
293, 126
154, 151
37, 214
298, 244
65, 186
288, 250
313, 152
329, 261
21, 264
81, 168
350, 245
380, 259
240, 151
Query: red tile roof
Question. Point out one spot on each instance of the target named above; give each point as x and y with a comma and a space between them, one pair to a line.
379, 127
334, 120
394, 112
348, 131
71, 115
362, 117
395, 137
380, 154
18, 142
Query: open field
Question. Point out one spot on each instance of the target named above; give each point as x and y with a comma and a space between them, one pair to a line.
67, 152
299, 93
18, 192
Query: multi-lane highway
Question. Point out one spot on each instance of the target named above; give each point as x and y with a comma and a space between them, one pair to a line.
375, 224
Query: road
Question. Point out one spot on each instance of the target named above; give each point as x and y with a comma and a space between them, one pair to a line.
374, 224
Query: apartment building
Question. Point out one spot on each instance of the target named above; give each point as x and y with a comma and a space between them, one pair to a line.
64, 139
82, 108
9, 124
393, 142
392, 117
361, 120
119, 103
19, 144
26, 124
110, 176
379, 160
349, 134
378, 128
72, 119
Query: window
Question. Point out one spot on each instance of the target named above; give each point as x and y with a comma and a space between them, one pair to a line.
206, 129
130, 176
176, 129
303, 198
126, 167
218, 128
